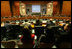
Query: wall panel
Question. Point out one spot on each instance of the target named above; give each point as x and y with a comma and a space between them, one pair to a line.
66, 10
5, 9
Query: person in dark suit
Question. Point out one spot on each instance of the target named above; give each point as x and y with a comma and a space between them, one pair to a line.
38, 23
7, 23
50, 23
26, 39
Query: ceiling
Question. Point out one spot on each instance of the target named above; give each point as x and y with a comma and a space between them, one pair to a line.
35, 2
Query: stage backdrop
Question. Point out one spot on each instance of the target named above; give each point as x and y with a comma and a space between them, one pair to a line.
28, 9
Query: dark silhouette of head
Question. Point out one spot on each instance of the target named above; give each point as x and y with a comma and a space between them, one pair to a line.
26, 20
38, 22
7, 21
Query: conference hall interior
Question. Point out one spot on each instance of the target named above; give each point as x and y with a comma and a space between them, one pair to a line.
35, 24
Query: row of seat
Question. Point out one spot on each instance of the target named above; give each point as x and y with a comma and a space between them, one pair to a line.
53, 34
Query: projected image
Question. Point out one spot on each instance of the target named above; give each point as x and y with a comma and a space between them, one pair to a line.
35, 8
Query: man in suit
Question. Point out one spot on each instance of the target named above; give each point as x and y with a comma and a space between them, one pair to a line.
38, 23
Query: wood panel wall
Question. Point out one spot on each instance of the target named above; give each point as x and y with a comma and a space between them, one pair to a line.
15, 8
5, 9
66, 10
56, 8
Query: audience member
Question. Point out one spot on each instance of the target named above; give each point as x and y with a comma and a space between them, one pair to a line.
38, 23
27, 40
26, 24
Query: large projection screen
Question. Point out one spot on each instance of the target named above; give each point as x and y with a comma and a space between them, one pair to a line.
35, 8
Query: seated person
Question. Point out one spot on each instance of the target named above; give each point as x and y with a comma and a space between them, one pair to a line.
27, 40
67, 21
26, 24
32, 25
38, 23
50, 23
7, 23
46, 41
67, 27
66, 36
